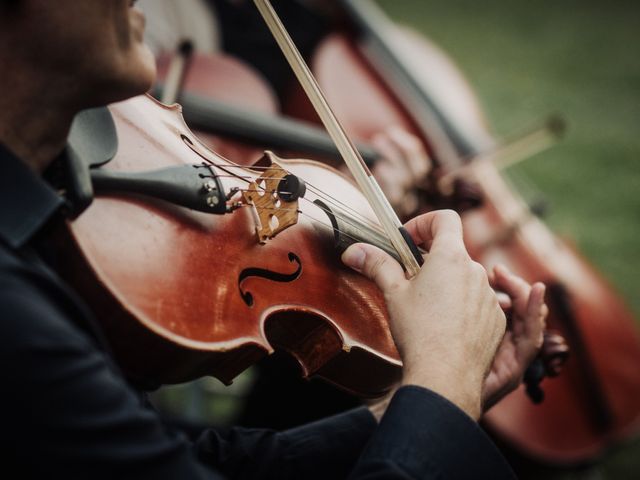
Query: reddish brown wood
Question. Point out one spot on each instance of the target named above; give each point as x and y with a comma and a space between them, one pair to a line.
570, 425
166, 280
350, 93
596, 400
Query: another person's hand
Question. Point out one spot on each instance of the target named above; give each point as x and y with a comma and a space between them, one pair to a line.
403, 165
524, 335
446, 321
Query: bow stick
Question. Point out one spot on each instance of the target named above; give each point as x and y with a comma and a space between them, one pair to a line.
399, 237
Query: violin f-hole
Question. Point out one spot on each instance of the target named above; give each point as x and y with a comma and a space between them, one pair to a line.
269, 275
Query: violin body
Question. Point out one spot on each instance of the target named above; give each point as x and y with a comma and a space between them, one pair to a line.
596, 400
183, 294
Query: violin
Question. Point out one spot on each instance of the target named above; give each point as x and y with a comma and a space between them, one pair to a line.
403, 79
200, 266
212, 87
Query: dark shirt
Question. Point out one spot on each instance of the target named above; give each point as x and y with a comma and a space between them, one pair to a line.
67, 411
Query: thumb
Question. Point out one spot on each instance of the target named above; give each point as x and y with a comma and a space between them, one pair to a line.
376, 265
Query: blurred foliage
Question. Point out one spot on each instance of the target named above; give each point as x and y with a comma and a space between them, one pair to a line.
205, 401
527, 59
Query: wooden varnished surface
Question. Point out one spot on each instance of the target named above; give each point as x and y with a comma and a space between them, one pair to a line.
176, 272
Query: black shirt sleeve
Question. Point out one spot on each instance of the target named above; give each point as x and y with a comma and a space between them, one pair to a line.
67, 412
423, 435
321, 450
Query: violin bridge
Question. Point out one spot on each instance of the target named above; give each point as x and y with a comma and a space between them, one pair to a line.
274, 206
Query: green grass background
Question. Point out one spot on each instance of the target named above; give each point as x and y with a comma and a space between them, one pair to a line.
526, 59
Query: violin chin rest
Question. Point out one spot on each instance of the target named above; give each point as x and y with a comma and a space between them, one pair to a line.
93, 136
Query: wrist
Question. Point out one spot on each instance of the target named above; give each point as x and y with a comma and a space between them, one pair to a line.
378, 406
464, 391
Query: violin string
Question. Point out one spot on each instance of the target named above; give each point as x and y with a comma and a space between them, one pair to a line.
329, 200
319, 192
352, 221
340, 231
248, 178
344, 207
316, 221
233, 165
322, 195
313, 219
348, 220
240, 177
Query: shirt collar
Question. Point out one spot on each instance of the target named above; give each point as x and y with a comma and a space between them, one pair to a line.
27, 201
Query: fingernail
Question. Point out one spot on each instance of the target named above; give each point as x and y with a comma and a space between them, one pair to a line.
354, 257
543, 289
500, 268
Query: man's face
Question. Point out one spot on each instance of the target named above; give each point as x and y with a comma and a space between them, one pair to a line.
97, 45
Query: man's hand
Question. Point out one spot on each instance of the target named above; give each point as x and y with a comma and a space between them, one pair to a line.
446, 321
520, 344
523, 338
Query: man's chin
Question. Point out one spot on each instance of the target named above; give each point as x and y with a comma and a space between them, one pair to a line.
136, 80
147, 66
142, 71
